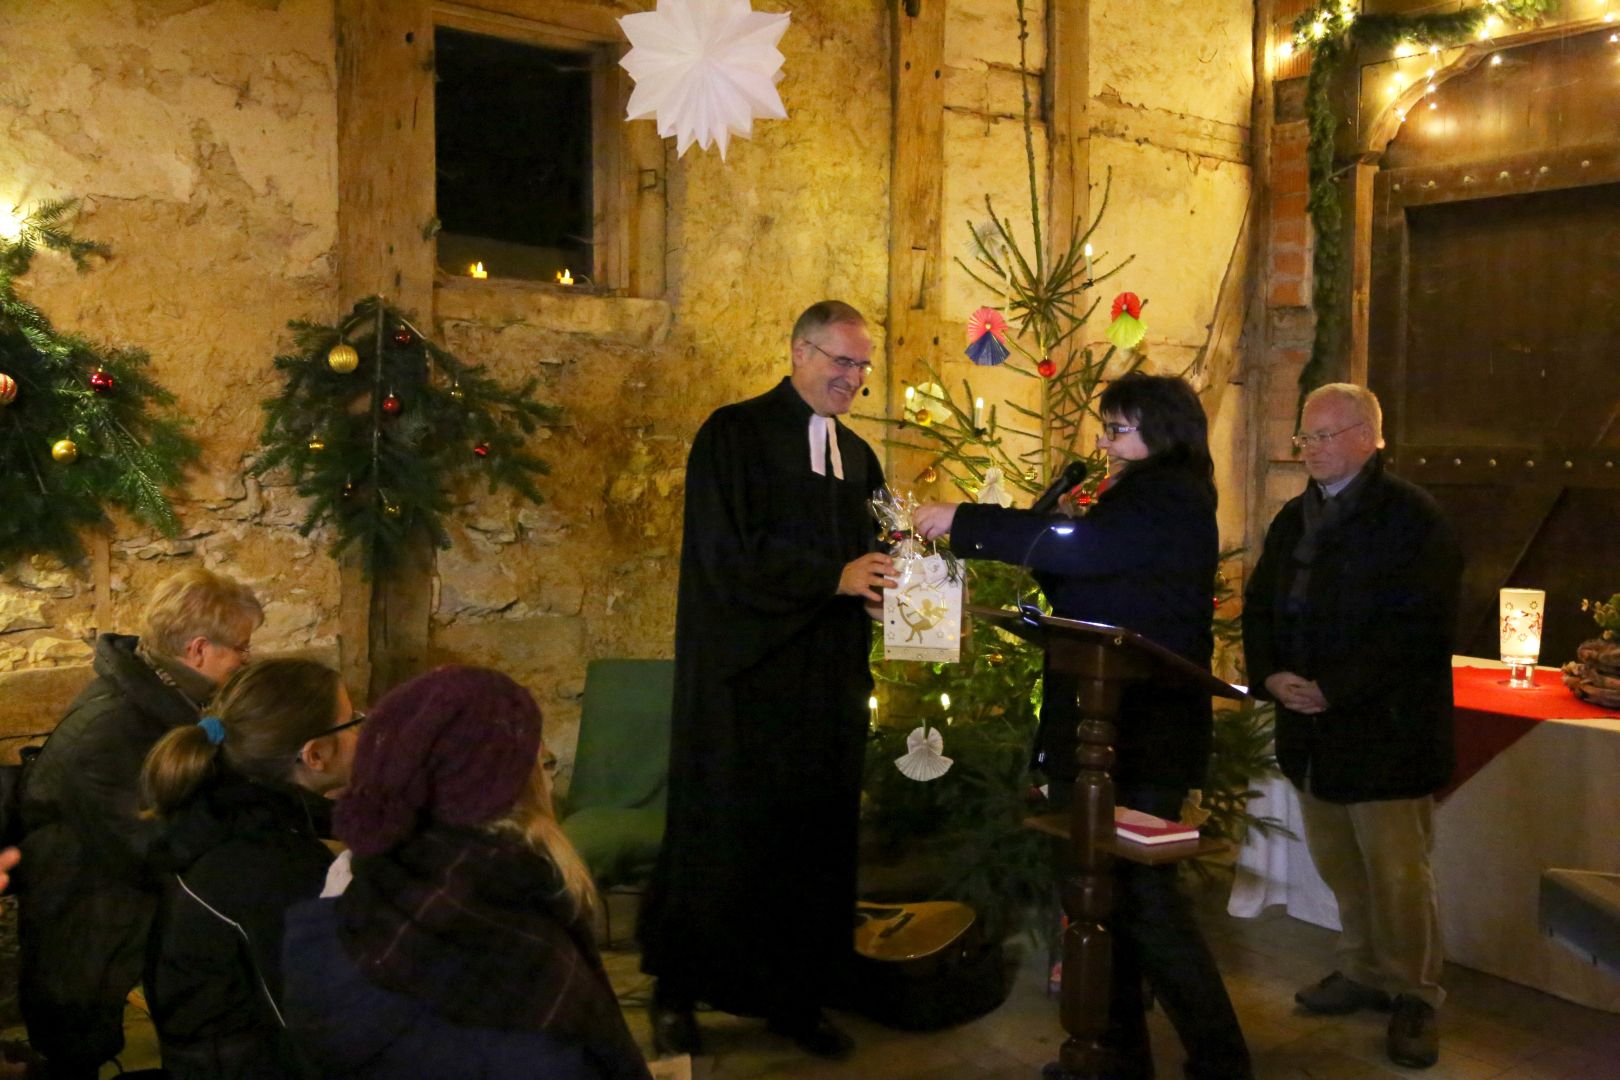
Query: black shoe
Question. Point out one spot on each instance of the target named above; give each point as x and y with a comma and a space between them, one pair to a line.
1414, 1034
674, 1031
815, 1034
1340, 995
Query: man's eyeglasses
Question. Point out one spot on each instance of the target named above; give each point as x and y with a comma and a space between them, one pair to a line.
1322, 437
848, 363
1114, 431
243, 651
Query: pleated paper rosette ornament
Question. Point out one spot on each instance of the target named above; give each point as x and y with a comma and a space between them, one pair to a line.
987, 337
924, 758
704, 69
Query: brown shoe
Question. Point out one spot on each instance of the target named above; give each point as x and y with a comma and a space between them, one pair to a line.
1339, 995
1414, 1034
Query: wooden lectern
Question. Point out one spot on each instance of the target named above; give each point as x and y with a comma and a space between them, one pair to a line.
1104, 660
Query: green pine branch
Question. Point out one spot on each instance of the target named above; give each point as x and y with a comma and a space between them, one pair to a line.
131, 448
376, 479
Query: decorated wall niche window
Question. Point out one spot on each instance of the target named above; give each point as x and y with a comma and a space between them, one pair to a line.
513, 138
538, 176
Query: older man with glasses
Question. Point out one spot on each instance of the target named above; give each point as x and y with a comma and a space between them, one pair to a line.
751, 903
1347, 626
87, 898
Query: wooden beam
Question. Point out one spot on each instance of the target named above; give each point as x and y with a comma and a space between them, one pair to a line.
1068, 96
1361, 269
386, 206
917, 256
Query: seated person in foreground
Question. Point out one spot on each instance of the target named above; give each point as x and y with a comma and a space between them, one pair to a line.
462, 944
238, 848
89, 899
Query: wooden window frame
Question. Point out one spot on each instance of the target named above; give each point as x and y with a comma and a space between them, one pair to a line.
627, 160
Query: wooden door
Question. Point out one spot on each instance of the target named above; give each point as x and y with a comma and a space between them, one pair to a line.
1494, 334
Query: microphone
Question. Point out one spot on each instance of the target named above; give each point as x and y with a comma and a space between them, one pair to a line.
1073, 473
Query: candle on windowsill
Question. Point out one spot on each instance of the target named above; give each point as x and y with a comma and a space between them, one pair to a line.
564, 277
476, 270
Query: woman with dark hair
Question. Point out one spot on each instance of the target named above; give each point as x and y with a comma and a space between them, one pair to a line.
239, 846
1145, 557
461, 945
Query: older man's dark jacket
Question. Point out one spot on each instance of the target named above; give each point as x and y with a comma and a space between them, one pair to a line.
1375, 631
88, 897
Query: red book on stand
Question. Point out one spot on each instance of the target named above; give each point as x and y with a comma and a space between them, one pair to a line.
1140, 828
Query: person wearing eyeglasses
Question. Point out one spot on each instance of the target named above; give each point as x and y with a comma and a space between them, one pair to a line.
238, 847
86, 898
1144, 556
1348, 627
780, 576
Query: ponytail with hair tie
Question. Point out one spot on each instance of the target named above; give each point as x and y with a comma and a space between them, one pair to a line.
214, 728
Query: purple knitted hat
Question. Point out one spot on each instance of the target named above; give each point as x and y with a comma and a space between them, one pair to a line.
454, 746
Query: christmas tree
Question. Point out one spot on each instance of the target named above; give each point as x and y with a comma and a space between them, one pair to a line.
83, 427
377, 423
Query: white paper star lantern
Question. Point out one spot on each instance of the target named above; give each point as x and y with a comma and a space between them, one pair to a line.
704, 69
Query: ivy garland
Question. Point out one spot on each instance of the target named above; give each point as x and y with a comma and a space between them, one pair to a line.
1333, 32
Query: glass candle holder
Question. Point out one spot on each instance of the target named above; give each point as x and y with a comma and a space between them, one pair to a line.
1521, 612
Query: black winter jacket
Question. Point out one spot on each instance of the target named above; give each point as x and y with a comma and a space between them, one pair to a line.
87, 898
1145, 558
234, 858
1381, 603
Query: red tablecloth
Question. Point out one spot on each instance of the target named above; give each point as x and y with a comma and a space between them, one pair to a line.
1492, 716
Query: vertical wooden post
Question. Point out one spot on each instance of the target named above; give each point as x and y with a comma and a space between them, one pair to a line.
1361, 213
386, 181
1087, 889
1068, 96
916, 246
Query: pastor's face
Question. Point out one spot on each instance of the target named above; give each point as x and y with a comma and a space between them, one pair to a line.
828, 386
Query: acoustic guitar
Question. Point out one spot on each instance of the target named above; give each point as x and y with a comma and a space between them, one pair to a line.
904, 933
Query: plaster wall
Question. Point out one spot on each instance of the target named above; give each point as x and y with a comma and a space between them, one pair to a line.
200, 137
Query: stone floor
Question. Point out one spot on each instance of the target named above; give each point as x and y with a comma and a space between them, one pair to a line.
1489, 1027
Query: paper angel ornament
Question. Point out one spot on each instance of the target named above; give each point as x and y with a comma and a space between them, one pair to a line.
987, 337
924, 758
1126, 331
704, 69
994, 489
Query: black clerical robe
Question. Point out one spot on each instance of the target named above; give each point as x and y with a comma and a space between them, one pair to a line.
751, 905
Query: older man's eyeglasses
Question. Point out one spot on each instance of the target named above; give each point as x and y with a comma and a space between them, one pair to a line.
1322, 438
847, 363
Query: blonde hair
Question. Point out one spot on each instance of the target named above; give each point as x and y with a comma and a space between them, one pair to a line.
269, 711
1362, 401
533, 819
198, 603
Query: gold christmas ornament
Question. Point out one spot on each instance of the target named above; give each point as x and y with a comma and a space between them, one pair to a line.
65, 451
342, 358
316, 444
456, 392
390, 508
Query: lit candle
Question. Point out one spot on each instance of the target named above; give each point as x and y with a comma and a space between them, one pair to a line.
978, 413
11, 225
871, 705
564, 277
945, 704
1088, 263
477, 270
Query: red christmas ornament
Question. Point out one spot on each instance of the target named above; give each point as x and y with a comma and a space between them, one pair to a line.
101, 382
392, 405
1047, 369
1082, 499
482, 449
1127, 301
403, 337
8, 389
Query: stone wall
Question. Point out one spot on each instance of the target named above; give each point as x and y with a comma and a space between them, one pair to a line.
203, 135
200, 136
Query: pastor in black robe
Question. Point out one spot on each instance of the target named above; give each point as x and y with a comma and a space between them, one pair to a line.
752, 903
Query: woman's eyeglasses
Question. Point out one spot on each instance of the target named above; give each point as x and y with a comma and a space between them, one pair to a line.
1114, 431
355, 721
